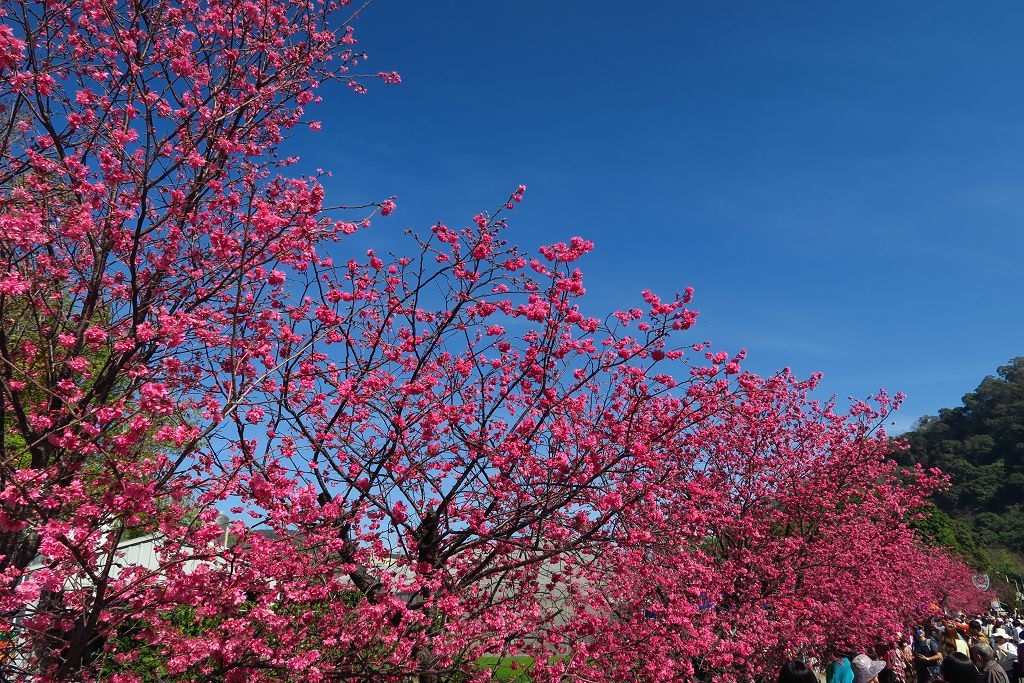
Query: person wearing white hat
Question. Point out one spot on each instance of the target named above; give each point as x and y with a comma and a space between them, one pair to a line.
1006, 652
865, 669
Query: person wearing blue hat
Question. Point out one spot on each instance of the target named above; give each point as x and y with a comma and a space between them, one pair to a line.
927, 658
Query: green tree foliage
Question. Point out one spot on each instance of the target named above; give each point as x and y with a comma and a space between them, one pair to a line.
937, 528
980, 445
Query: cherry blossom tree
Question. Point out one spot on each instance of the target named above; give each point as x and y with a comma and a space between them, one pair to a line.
785, 533
428, 456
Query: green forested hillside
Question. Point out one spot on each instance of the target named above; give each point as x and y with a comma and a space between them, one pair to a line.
980, 445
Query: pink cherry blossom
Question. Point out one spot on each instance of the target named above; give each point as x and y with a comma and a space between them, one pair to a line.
240, 449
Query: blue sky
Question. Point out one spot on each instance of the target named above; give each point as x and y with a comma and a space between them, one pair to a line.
842, 183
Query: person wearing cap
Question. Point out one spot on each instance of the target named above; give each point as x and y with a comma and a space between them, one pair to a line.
926, 656
985, 659
866, 670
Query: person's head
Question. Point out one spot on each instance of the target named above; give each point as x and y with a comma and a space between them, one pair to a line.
919, 633
982, 654
865, 669
795, 671
1000, 636
958, 668
949, 637
975, 627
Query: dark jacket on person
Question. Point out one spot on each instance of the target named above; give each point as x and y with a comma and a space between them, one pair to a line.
993, 673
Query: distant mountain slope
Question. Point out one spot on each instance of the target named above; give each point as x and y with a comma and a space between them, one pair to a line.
980, 445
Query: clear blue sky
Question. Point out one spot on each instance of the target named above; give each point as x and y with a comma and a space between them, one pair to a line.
842, 183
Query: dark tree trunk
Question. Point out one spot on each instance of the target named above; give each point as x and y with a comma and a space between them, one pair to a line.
18, 548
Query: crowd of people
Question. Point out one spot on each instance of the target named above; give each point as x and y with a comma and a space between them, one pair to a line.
986, 649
